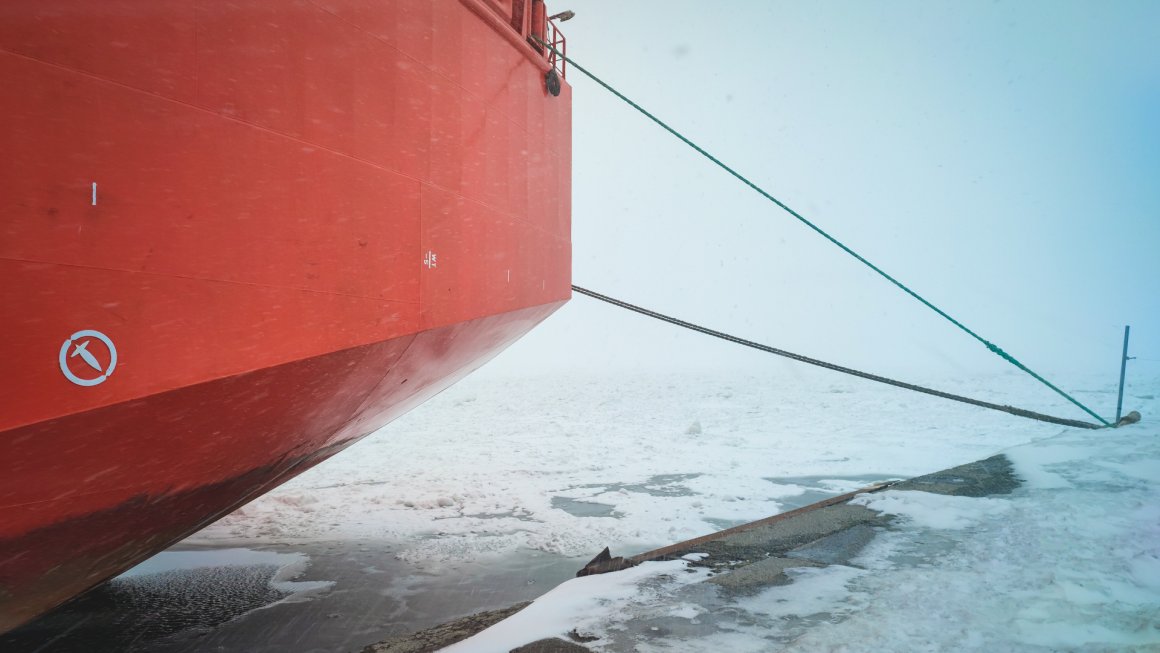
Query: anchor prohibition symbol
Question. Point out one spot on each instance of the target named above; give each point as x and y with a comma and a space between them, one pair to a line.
78, 346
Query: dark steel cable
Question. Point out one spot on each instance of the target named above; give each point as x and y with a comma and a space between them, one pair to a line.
1011, 410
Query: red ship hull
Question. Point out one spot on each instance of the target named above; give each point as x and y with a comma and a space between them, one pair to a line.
237, 237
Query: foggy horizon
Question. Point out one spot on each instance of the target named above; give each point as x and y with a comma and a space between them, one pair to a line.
999, 159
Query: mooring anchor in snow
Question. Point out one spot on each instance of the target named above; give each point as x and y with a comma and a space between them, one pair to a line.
1130, 418
604, 563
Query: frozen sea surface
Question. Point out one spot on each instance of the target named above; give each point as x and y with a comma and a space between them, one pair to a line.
568, 465
1070, 561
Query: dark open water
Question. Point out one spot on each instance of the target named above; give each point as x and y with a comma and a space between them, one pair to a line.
305, 598
312, 598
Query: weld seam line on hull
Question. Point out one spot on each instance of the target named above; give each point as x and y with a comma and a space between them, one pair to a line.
143, 393
233, 282
995, 349
1011, 410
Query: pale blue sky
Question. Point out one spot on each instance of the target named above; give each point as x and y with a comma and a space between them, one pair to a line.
1002, 158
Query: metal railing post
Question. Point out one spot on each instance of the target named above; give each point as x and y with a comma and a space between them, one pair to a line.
1123, 367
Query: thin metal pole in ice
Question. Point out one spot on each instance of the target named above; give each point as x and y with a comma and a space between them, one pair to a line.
1123, 367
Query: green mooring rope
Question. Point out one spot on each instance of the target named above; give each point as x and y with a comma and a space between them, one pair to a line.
991, 346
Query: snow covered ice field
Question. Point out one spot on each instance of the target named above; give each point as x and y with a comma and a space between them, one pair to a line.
1070, 561
570, 464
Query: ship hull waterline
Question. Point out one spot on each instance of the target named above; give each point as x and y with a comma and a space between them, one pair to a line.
111, 532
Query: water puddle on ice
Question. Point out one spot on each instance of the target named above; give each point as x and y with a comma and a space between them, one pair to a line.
820, 488
578, 508
799, 491
659, 485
